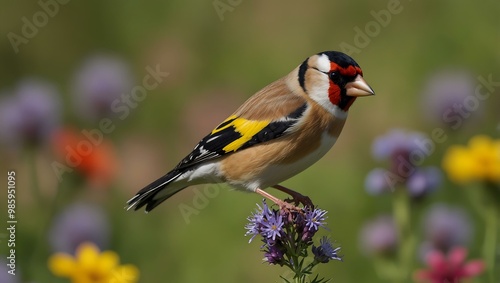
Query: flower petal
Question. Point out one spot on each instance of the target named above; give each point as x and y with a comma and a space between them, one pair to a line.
87, 255
107, 261
125, 274
473, 268
436, 260
458, 164
62, 265
456, 257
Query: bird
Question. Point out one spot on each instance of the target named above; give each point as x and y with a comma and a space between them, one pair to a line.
277, 133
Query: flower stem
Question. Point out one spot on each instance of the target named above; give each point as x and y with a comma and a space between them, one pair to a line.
386, 269
36, 243
490, 239
401, 212
35, 185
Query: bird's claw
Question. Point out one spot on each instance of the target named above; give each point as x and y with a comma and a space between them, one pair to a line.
301, 199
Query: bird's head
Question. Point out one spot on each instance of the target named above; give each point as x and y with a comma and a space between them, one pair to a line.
333, 80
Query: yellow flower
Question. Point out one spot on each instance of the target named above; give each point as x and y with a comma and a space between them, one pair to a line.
91, 266
480, 160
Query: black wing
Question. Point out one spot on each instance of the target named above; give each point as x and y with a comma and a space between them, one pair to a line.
230, 136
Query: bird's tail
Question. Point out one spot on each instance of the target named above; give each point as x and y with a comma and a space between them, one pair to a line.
156, 192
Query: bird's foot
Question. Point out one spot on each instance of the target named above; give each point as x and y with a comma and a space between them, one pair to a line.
297, 198
289, 204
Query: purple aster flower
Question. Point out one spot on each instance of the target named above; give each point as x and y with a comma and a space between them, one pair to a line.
31, 114
315, 219
265, 210
446, 227
274, 254
396, 142
287, 236
76, 224
423, 181
257, 220
379, 236
325, 251
406, 151
445, 93
100, 81
254, 225
272, 227
376, 182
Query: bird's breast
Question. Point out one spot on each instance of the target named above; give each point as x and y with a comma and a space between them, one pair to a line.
279, 172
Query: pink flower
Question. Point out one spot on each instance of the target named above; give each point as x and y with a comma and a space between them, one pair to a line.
450, 269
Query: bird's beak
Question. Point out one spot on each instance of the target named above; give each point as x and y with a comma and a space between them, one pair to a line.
359, 87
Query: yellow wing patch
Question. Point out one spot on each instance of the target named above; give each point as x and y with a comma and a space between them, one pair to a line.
246, 128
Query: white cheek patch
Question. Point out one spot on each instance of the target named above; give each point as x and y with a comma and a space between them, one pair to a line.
319, 93
323, 63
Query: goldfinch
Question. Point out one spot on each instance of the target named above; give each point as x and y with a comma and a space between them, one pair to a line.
277, 133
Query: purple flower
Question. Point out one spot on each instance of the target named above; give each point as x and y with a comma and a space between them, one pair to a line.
76, 224
287, 234
253, 226
405, 151
315, 219
423, 181
396, 142
274, 254
31, 114
379, 236
376, 182
272, 228
256, 221
325, 252
101, 81
445, 94
446, 227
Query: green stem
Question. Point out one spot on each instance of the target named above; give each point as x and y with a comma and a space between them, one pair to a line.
490, 239
44, 208
401, 212
38, 230
386, 269
35, 186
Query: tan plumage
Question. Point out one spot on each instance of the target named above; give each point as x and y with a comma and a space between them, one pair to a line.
278, 132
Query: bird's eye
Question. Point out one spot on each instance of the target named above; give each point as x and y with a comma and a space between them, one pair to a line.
333, 75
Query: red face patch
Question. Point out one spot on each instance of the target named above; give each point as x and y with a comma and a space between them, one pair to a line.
350, 71
334, 93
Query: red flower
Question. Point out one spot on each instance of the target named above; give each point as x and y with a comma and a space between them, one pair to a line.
90, 154
451, 269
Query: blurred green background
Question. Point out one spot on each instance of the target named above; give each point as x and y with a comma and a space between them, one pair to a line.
217, 55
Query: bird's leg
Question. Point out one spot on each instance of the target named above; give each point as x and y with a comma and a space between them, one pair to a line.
296, 197
282, 204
